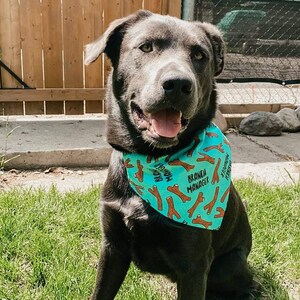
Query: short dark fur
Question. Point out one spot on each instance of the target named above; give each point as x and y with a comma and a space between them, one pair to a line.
200, 261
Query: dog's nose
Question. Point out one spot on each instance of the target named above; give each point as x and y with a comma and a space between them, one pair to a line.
182, 86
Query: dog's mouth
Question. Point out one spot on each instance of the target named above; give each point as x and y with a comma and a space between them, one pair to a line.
165, 124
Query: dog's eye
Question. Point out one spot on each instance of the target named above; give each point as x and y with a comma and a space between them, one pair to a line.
198, 55
147, 47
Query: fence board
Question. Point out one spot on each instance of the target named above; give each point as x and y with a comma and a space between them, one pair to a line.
52, 41
131, 6
250, 107
73, 51
93, 27
10, 40
173, 7
11, 51
112, 10
53, 95
31, 41
153, 5
235, 113
49, 36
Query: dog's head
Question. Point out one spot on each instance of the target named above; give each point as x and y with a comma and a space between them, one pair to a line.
161, 89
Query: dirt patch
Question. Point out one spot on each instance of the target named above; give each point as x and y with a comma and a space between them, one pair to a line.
64, 179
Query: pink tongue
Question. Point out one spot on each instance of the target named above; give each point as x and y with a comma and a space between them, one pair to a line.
166, 122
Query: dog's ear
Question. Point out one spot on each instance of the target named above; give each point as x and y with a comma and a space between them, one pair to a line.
218, 46
110, 41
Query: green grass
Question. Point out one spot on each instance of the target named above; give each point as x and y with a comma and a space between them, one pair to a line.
274, 214
49, 244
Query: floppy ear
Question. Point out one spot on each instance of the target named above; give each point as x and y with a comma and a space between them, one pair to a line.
218, 46
110, 41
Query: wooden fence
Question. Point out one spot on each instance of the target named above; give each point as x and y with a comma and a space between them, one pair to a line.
42, 42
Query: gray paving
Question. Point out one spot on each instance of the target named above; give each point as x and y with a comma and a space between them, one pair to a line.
43, 142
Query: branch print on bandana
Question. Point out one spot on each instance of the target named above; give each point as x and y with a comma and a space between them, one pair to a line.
191, 186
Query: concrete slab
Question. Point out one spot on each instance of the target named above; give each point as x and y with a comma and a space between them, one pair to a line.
286, 146
65, 180
72, 142
246, 151
262, 149
280, 173
40, 142
44, 134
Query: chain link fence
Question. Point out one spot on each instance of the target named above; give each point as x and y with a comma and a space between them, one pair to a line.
263, 47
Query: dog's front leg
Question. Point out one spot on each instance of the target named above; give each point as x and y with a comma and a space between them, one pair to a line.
192, 286
112, 268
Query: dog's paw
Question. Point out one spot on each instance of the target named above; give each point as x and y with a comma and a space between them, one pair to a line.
252, 293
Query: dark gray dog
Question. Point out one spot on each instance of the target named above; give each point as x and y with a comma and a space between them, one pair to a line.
161, 92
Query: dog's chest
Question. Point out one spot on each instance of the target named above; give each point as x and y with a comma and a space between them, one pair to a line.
160, 245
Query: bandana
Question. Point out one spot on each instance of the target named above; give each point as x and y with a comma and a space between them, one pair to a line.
191, 186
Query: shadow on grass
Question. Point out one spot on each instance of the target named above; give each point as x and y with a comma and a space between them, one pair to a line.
268, 288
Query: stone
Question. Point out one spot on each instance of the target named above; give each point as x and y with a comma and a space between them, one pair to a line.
262, 124
289, 119
298, 112
220, 121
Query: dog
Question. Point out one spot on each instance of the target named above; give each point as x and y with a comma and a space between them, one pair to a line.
161, 99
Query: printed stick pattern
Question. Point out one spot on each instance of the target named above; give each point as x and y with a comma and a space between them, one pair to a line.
154, 191
221, 213
199, 200
179, 163
206, 157
127, 163
216, 177
139, 175
175, 190
138, 188
212, 203
196, 143
212, 134
224, 195
218, 147
190, 186
199, 220
172, 212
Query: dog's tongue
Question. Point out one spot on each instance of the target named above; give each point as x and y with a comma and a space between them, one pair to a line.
166, 122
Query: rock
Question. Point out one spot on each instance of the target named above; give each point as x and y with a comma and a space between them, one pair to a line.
220, 121
261, 123
298, 112
289, 119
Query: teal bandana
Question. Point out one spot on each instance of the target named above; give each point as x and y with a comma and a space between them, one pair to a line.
191, 186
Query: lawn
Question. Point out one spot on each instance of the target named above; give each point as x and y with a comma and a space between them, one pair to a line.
50, 243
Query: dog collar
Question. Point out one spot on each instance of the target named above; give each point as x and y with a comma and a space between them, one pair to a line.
191, 186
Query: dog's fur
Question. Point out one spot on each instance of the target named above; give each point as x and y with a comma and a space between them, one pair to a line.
163, 63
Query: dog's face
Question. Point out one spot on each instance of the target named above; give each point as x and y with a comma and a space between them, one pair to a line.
162, 81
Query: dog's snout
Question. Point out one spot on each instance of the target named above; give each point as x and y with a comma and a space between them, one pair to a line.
182, 86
